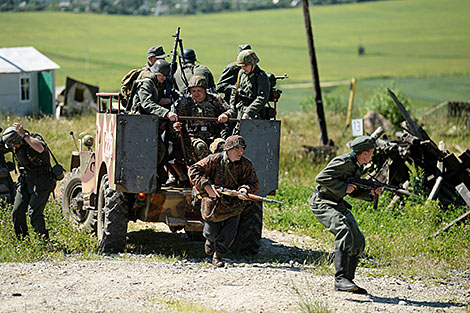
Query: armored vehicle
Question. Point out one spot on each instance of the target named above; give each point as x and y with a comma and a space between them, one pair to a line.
114, 179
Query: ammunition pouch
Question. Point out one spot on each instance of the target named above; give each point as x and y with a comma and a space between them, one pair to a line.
58, 172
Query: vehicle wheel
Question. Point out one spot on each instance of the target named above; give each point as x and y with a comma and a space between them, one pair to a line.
248, 239
195, 235
72, 203
112, 218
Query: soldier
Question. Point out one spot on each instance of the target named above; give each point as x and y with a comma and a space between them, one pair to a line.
228, 78
252, 87
153, 54
221, 213
35, 182
190, 68
328, 206
148, 96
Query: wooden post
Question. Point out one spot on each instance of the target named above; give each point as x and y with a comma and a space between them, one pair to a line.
352, 91
316, 80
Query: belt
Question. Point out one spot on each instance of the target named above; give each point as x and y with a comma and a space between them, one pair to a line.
323, 197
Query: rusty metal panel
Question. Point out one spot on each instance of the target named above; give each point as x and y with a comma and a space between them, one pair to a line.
136, 153
262, 138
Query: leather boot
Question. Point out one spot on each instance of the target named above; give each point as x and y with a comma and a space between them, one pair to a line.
342, 282
217, 259
209, 247
353, 261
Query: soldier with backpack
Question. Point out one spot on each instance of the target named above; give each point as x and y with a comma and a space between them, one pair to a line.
189, 69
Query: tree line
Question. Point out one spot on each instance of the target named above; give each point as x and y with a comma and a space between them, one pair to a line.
156, 7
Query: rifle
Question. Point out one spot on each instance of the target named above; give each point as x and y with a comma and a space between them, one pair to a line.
236, 193
372, 184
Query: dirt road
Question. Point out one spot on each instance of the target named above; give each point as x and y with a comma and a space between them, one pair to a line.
270, 283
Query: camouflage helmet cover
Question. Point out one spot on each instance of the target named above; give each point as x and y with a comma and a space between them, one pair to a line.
161, 67
10, 137
234, 141
247, 57
198, 81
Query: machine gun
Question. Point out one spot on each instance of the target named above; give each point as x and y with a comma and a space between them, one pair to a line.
372, 184
236, 193
173, 64
275, 93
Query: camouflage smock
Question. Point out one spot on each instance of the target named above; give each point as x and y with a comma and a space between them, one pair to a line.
191, 70
216, 169
253, 93
149, 93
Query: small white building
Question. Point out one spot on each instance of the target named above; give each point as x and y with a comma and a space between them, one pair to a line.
27, 82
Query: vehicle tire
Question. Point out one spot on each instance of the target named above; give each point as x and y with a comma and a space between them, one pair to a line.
112, 218
195, 235
248, 239
72, 203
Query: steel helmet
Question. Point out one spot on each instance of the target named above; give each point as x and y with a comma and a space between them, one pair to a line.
247, 57
10, 137
161, 67
234, 141
189, 55
197, 81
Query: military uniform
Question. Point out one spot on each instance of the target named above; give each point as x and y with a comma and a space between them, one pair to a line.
191, 70
35, 184
148, 93
253, 93
222, 214
205, 131
329, 207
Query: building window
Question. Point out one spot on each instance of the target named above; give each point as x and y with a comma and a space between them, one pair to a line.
25, 88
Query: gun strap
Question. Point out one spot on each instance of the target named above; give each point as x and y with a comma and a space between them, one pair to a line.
52, 154
238, 84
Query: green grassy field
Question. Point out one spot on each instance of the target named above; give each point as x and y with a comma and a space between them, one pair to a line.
401, 38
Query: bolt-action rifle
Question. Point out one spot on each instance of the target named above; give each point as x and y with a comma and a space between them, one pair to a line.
236, 193
373, 184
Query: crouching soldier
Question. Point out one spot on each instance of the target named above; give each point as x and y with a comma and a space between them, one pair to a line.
221, 213
328, 206
35, 182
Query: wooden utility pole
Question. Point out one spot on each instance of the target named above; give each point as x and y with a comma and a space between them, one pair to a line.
316, 80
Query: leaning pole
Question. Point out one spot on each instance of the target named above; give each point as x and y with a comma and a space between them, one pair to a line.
316, 80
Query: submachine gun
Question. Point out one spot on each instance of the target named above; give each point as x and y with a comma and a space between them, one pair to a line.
373, 184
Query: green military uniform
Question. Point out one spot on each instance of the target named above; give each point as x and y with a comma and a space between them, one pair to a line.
253, 93
228, 80
329, 207
148, 93
221, 215
191, 70
202, 133
35, 184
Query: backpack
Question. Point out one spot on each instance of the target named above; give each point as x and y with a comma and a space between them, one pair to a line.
127, 81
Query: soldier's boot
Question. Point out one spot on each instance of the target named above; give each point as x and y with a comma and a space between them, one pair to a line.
209, 247
342, 282
217, 259
353, 261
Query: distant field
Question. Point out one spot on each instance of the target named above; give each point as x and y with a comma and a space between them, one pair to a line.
401, 39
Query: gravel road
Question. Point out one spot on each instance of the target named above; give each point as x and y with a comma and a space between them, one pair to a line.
273, 283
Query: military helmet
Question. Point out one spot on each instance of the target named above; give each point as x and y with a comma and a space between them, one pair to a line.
161, 67
198, 81
247, 57
234, 141
189, 55
244, 47
10, 137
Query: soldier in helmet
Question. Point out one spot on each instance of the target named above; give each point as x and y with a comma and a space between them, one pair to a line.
200, 134
35, 182
228, 78
148, 96
329, 207
190, 68
252, 88
221, 213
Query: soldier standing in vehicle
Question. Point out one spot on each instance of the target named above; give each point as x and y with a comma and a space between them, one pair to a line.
221, 213
35, 182
153, 55
228, 78
329, 207
252, 88
189, 69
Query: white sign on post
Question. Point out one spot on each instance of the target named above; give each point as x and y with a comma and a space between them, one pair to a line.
357, 127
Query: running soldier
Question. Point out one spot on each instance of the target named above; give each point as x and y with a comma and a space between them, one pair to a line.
329, 207
221, 213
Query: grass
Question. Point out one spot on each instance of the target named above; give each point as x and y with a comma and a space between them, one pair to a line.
181, 306
418, 38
